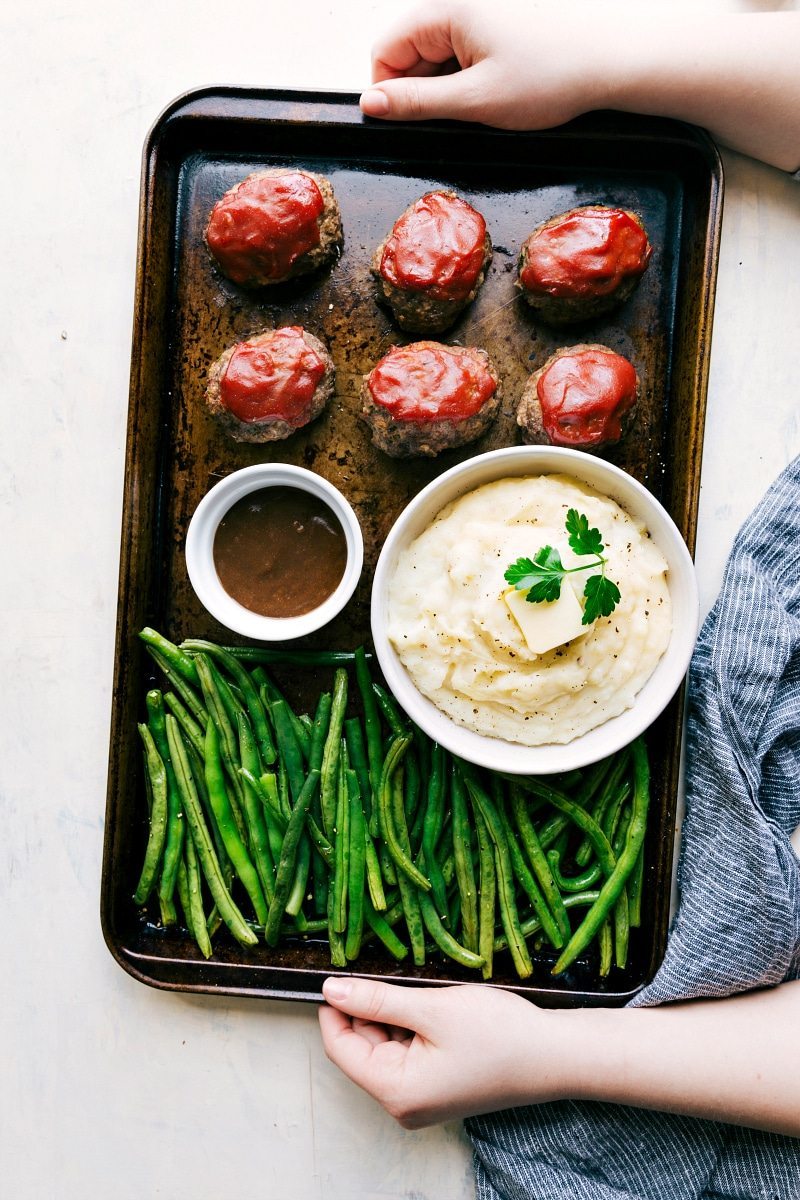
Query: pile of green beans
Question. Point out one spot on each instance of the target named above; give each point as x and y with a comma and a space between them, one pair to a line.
350, 823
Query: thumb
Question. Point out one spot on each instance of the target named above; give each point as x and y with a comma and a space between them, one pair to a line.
423, 98
382, 1003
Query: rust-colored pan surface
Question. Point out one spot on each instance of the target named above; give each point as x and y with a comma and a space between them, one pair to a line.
187, 313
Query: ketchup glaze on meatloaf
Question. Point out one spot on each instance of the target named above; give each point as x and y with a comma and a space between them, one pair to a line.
581, 397
433, 261
274, 225
583, 262
267, 387
426, 397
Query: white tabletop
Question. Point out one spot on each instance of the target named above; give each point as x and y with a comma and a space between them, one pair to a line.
109, 1088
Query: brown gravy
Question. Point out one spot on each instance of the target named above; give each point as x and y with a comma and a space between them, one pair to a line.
280, 552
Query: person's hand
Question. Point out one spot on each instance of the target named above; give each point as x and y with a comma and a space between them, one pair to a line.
529, 64
502, 64
434, 1054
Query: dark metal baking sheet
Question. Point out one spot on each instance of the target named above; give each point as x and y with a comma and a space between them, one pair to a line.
186, 313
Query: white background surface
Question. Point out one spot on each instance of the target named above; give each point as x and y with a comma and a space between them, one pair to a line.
110, 1089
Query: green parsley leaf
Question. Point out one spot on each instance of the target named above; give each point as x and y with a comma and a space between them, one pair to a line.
582, 539
548, 588
519, 570
541, 576
602, 597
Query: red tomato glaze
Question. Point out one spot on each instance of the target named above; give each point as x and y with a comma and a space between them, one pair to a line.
273, 381
584, 395
588, 252
427, 381
436, 247
260, 228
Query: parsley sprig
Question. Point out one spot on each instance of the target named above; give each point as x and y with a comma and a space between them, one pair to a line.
541, 576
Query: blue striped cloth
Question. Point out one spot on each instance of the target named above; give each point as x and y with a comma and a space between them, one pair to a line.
737, 925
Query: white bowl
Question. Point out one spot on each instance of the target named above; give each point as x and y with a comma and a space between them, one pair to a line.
496, 753
200, 551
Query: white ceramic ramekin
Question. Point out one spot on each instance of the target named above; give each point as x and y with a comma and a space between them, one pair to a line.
200, 551
495, 753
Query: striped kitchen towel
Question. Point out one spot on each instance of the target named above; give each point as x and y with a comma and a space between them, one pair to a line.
737, 925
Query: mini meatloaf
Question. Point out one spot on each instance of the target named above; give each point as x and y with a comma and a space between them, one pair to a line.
274, 225
583, 263
432, 263
424, 398
264, 389
582, 397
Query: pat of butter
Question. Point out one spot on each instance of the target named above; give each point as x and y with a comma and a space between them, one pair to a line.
547, 624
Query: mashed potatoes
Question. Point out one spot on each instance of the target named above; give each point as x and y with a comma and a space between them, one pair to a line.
456, 637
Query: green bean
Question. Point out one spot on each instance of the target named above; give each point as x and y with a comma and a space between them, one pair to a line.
335, 939
532, 925
331, 753
540, 865
288, 747
635, 891
342, 830
173, 845
387, 865
226, 822
553, 828
322, 719
228, 743
186, 693
454, 910
283, 790
193, 731
251, 697
157, 774
286, 864
356, 868
388, 810
372, 727
445, 940
505, 879
614, 884
409, 894
431, 827
398, 724
308, 725
604, 799
294, 901
572, 883
269, 693
357, 750
614, 810
180, 662
291, 658
195, 898
231, 703
254, 810
202, 841
197, 764
487, 896
529, 885
602, 848
182, 887
267, 788
606, 944
462, 853
413, 783
374, 880
319, 885
383, 930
